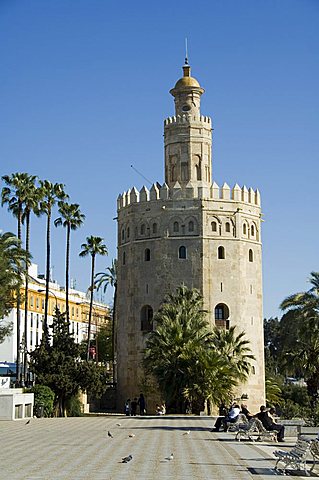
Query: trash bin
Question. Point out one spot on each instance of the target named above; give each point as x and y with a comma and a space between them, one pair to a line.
40, 411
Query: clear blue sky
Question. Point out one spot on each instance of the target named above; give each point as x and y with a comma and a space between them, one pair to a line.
84, 93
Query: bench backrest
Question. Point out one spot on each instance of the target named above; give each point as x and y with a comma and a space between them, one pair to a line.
301, 448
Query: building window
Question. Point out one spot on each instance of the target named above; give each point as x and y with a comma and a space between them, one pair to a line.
128, 232
245, 229
182, 252
251, 255
154, 228
176, 227
191, 226
123, 234
77, 313
227, 227
72, 312
147, 255
222, 316
253, 370
31, 320
42, 304
143, 229
214, 226
31, 301
252, 230
123, 258
37, 303
221, 253
146, 318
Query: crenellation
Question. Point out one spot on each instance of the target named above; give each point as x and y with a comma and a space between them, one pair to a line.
187, 118
215, 192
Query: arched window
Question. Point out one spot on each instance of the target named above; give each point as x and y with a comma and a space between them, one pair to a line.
227, 227
142, 229
123, 234
123, 258
154, 227
222, 316
182, 252
221, 253
252, 230
147, 255
128, 232
214, 226
191, 226
146, 318
245, 229
251, 255
176, 227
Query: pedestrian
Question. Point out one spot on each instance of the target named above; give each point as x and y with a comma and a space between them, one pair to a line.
231, 417
133, 407
266, 416
127, 407
141, 404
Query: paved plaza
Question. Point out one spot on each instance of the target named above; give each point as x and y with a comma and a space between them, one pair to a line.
80, 448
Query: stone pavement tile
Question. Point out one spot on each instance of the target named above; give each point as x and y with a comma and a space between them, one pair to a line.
80, 449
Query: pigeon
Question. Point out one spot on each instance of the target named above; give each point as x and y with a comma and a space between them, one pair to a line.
29, 421
171, 457
127, 459
187, 433
118, 424
109, 434
131, 435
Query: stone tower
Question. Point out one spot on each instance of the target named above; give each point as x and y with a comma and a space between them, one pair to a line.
188, 230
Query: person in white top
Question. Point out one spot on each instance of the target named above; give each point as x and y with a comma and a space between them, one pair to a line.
231, 417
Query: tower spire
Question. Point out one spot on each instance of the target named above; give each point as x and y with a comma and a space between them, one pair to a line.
186, 52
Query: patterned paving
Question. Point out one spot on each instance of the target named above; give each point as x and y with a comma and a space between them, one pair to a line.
79, 448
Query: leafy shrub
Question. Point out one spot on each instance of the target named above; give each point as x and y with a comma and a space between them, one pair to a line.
74, 407
43, 397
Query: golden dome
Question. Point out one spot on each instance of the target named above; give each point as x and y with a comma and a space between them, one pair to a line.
187, 82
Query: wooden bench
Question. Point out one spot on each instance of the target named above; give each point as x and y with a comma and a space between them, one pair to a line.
296, 457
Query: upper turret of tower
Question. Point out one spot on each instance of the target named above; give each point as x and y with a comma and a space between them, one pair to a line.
187, 93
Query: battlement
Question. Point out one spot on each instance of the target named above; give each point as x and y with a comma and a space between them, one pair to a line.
187, 118
214, 192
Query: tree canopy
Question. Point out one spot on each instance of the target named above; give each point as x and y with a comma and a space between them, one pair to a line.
191, 362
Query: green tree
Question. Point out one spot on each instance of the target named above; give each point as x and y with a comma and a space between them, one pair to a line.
71, 218
50, 193
57, 364
104, 343
12, 258
188, 360
93, 246
13, 195
235, 349
303, 311
102, 281
30, 205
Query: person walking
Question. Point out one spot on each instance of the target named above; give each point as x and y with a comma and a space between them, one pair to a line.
141, 404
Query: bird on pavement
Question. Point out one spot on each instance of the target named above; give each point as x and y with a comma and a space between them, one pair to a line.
187, 433
29, 421
127, 459
118, 424
171, 457
109, 434
131, 435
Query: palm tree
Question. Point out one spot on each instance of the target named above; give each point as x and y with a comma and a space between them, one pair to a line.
174, 348
71, 219
93, 246
32, 196
235, 349
102, 281
303, 312
13, 194
51, 193
12, 259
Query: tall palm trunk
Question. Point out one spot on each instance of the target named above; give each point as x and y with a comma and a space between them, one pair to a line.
47, 278
67, 268
26, 300
91, 306
18, 372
